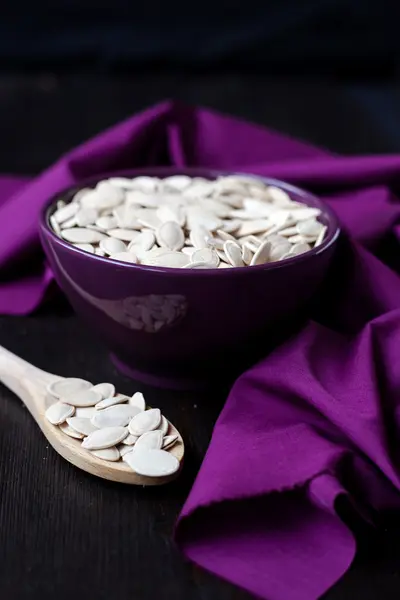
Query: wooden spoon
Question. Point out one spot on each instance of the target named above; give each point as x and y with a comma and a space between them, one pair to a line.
30, 384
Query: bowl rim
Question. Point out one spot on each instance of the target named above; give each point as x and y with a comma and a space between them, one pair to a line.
165, 171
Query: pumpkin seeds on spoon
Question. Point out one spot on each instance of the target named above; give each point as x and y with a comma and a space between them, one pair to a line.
114, 426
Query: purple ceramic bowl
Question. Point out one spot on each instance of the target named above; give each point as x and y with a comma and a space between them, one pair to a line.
210, 323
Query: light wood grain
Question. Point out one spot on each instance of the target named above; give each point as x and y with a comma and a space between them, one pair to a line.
30, 384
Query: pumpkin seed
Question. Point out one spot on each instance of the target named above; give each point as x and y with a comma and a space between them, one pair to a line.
114, 416
112, 454
152, 463
59, 412
105, 438
147, 420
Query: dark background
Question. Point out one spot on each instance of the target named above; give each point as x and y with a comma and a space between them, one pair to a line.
325, 71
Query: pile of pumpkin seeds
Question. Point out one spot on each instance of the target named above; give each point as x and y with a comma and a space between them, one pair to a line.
114, 427
190, 223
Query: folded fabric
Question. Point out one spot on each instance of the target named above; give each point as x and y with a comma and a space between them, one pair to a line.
318, 418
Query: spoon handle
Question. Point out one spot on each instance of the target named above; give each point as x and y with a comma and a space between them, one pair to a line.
20, 376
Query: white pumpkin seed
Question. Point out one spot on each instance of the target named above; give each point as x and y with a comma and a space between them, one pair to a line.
82, 398
85, 247
262, 254
82, 235
278, 250
309, 227
170, 235
105, 438
169, 258
171, 213
138, 401
127, 257
300, 239
59, 412
143, 242
305, 213
130, 440
148, 218
106, 223
147, 420
83, 426
278, 196
199, 236
298, 249
125, 235
86, 412
164, 425
151, 440
247, 255
123, 450
67, 386
112, 401
114, 416
112, 454
152, 463
107, 390
65, 428
254, 226
65, 213
112, 246
199, 265
177, 182
233, 253
169, 441
188, 250
55, 226
126, 218
321, 236
206, 255
86, 216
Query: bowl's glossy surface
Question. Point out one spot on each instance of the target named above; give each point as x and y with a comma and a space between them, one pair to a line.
210, 323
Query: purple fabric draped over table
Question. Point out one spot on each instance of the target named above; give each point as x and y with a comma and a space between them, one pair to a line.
319, 417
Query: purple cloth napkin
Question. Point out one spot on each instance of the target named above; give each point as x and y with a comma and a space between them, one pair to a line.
319, 417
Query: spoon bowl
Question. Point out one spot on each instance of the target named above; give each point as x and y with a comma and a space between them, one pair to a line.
30, 384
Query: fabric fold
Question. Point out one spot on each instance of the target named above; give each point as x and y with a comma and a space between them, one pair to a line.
316, 420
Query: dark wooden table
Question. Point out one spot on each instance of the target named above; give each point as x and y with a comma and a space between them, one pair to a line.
65, 534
